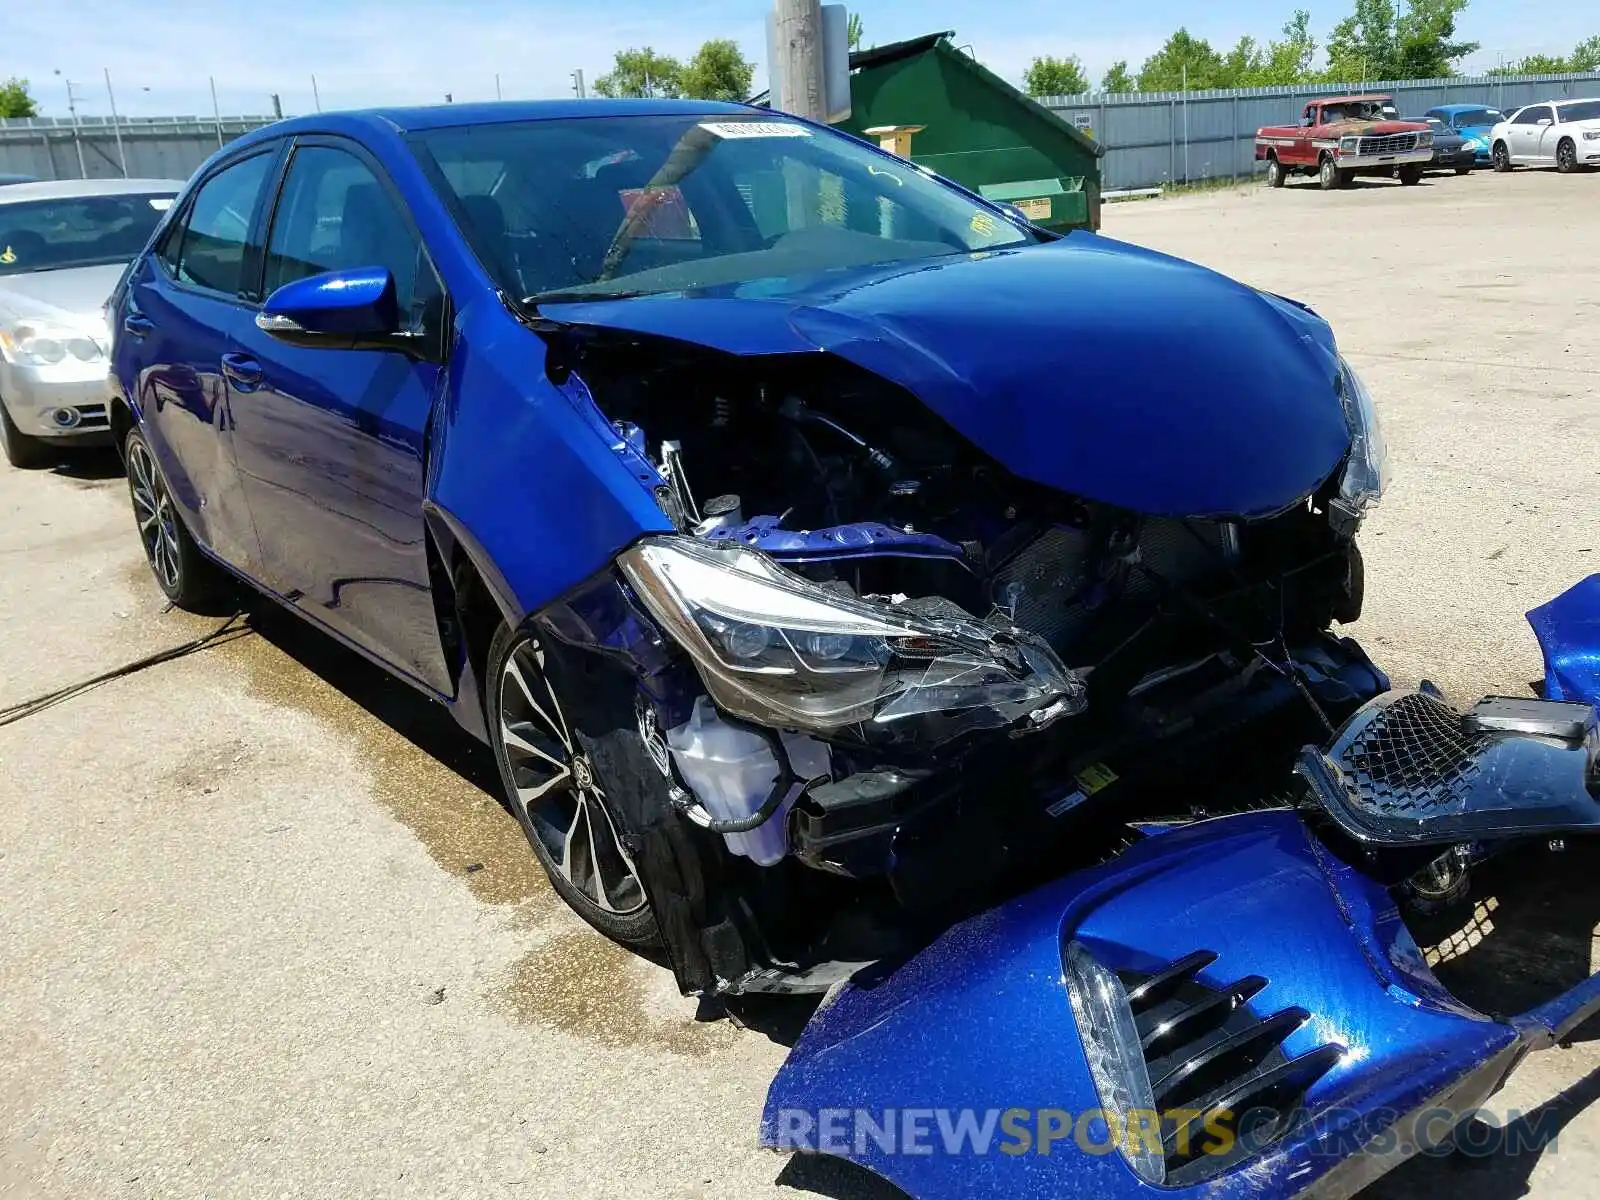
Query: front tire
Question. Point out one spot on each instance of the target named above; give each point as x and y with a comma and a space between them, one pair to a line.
1463, 170
1566, 156
23, 452
185, 576
558, 796
1275, 172
1501, 157
1328, 175
1410, 175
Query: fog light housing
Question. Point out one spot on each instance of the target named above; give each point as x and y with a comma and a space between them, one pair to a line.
1116, 1060
66, 418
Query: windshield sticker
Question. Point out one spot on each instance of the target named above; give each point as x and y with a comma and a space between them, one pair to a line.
160, 203
983, 224
8, 256
754, 129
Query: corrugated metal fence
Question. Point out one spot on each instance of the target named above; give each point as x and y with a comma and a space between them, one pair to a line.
153, 148
1173, 137
1150, 138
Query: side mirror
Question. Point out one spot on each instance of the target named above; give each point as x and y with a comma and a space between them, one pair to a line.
337, 310
1544, 120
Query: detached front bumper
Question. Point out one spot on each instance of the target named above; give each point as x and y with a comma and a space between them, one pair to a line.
1369, 162
1285, 1017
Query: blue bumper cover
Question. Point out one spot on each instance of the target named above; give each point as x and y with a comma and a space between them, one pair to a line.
980, 1023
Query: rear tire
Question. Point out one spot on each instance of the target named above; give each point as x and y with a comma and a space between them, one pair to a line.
1501, 157
1410, 174
1275, 172
23, 452
1566, 156
185, 576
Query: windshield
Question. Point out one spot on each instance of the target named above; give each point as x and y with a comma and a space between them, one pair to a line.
610, 206
1579, 110
1478, 116
79, 231
1358, 110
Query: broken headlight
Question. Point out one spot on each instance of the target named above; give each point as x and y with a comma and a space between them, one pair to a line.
1366, 470
782, 651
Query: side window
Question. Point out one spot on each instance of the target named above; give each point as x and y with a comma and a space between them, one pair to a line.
212, 252
1309, 117
334, 215
1528, 116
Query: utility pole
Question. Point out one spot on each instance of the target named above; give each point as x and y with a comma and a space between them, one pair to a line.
77, 131
798, 42
215, 111
116, 125
577, 84
277, 106
316, 99
497, 94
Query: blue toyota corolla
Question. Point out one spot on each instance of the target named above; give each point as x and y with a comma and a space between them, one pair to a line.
826, 554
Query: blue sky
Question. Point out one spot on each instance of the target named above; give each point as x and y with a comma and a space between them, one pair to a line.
161, 52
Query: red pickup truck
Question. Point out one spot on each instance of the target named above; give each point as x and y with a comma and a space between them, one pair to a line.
1340, 137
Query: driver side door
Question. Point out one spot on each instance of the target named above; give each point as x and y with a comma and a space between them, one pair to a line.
331, 442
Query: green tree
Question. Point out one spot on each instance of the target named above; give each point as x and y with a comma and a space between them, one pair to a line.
1289, 61
1049, 76
1377, 42
718, 72
1184, 58
1117, 78
852, 31
1425, 38
642, 72
1585, 57
16, 100
1362, 46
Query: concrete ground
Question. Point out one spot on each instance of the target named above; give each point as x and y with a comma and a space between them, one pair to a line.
266, 931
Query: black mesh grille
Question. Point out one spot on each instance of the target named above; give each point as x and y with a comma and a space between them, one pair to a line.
1208, 1054
1413, 756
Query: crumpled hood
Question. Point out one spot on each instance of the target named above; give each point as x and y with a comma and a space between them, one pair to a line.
1086, 364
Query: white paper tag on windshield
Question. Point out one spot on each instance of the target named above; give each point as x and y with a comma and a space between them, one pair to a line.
755, 129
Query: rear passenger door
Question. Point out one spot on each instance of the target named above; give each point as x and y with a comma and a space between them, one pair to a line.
331, 441
187, 304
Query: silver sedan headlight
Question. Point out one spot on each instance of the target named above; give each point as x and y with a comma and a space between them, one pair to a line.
37, 344
1366, 470
782, 651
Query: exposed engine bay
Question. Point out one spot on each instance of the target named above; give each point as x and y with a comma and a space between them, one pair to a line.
913, 673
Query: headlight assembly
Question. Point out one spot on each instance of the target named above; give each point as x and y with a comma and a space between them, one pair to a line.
36, 345
782, 651
1366, 470
1349, 145
1424, 139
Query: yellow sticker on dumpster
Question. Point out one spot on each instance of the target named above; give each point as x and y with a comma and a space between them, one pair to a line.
1096, 778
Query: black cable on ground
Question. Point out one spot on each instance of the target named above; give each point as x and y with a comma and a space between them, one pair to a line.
28, 708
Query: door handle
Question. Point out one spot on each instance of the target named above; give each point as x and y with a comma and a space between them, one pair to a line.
242, 370
137, 325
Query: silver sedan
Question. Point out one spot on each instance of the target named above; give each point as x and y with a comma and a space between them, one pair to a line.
63, 246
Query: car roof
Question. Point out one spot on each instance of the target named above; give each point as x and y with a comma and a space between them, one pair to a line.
67, 189
1349, 99
1455, 108
445, 116
1575, 100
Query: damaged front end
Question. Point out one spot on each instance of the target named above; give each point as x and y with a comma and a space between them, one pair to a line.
889, 679
1269, 1003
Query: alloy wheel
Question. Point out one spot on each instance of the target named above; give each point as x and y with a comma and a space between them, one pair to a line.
556, 786
158, 523
1502, 159
1566, 156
